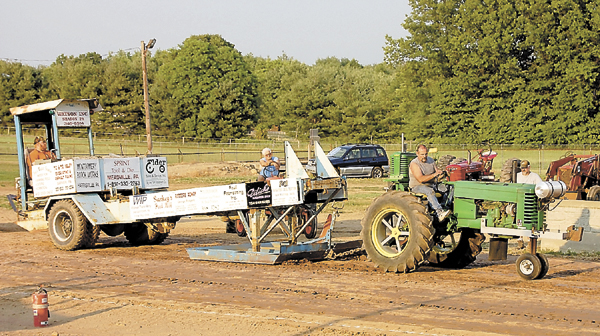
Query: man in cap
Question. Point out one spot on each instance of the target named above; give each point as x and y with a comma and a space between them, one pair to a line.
526, 175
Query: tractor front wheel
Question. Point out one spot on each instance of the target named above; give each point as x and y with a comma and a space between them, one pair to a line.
456, 250
397, 232
529, 266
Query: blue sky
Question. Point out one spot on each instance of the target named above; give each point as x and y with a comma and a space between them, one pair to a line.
37, 31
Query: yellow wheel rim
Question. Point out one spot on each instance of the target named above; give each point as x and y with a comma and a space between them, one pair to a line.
390, 232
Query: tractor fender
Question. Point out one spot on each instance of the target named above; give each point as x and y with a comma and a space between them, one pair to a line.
96, 210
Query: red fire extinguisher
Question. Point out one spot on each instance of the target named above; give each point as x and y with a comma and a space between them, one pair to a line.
40, 308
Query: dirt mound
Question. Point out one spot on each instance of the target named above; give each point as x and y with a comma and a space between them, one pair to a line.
216, 169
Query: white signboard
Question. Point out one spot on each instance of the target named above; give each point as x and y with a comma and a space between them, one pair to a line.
152, 205
154, 170
188, 201
54, 178
87, 175
233, 197
285, 192
121, 173
73, 114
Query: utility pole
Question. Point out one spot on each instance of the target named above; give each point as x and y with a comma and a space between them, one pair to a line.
145, 48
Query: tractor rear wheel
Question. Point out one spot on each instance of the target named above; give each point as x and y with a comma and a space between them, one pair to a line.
456, 250
506, 174
67, 226
397, 232
444, 161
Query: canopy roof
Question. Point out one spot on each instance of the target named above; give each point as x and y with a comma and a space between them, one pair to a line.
50, 105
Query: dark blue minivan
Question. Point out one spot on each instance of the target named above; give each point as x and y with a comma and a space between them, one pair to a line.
357, 160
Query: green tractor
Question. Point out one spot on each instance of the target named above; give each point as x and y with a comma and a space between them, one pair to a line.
400, 232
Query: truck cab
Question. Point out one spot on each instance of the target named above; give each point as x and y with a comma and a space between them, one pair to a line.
76, 197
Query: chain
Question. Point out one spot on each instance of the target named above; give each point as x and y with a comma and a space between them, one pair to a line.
332, 255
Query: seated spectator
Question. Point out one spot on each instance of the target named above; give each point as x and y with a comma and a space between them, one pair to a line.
40, 152
270, 166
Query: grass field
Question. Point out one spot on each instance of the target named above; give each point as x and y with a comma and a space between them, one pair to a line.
250, 151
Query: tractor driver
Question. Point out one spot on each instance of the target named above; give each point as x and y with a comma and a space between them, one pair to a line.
270, 166
422, 173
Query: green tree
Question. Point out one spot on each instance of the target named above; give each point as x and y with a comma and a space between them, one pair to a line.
502, 71
206, 90
19, 85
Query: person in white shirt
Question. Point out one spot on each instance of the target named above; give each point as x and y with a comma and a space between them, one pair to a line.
526, 175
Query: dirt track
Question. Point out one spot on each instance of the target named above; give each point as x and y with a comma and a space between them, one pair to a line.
118, 289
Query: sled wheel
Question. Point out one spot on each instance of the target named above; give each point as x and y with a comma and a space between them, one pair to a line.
239, 228
140, 234
529, 266
67, 226
397, 232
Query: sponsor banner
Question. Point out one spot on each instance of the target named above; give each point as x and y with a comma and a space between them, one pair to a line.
285, 192
121, 173
87, 175
154, 171
141, 206
74, 114
233, 197
188, 201
258, 194
54, 178
152, 205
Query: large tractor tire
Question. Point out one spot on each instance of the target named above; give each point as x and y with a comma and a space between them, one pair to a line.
444, 161
141, 234
397, 232
456, 250
458, 160
506, 174
68, 228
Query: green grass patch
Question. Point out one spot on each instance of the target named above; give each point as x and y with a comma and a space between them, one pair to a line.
586, 255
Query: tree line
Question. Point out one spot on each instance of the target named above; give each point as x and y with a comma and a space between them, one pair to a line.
500, 71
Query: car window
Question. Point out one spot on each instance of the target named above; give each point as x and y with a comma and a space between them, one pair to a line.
380, 152
337, 153
353, 154
368, 152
